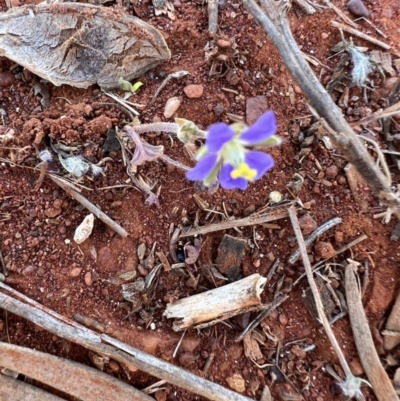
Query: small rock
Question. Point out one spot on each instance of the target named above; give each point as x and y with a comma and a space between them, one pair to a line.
186, 359
57, 203
249, 210
307, 224
358, 8
218, 109
230, 254
341, 180
1, 325
190, 343
298, 351
51, 212
104, 257
194, 91
84, 229
28, 270
6, 79
255, 106
356, 367
75, 272
88, 278
324, 250
161, 395
283, 319
237, 383
224, 44
257, 263
339, 237
171, 106
298, 90
331, 171
324, 35
235, 351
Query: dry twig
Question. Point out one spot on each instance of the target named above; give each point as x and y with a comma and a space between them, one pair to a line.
89, 205
213, 16
275, 214
275, 23
361, 35
350, 386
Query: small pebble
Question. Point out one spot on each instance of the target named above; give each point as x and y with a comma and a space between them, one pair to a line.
194, 91
6, 79
307, 224
283, 319
358, 8
88, 279
237, 383
324, 250
75, 272
331, 171
249, 210
324, 35
171, 106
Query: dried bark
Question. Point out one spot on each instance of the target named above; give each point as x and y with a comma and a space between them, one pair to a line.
80, 44
72, 378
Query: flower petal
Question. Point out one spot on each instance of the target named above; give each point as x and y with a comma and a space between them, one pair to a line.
261, 130
203, 168
218, 135
227, 182
260, 161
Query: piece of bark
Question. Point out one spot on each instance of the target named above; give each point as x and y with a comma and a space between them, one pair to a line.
230, 254
232, 298
393, 324
17, 390
369, 358
72, 378
80, 44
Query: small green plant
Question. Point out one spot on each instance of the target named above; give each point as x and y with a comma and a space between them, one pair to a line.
126, 86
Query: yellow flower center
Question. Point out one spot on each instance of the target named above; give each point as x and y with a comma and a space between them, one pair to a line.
244, 171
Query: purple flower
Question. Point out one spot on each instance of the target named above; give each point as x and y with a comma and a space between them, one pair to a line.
225, 152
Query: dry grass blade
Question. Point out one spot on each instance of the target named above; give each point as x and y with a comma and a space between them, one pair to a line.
351, 386
71, 378
376, 374
360, 34
90, 206
248, 221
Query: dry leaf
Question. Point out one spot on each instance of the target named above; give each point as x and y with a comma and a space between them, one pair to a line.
80, 44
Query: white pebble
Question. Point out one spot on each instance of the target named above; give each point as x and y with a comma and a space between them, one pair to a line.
84, 229
171, 106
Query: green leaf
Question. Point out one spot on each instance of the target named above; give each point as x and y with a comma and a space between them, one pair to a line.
124, 85
136, 86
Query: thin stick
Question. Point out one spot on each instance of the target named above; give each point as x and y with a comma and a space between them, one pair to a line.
369, 358
341, 14
274, 304
389, 111
248, 221
213, 16
314, 235
90, 206
361, 35
314, 289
